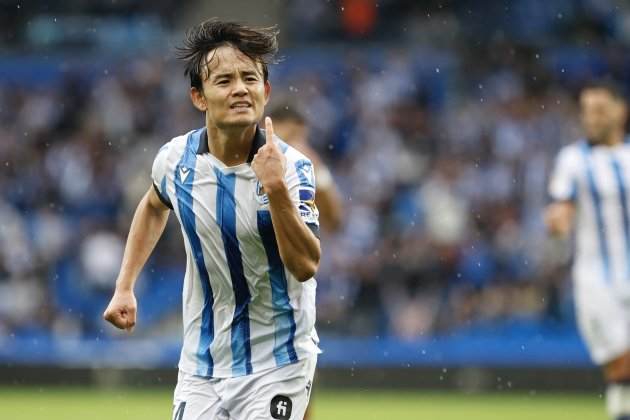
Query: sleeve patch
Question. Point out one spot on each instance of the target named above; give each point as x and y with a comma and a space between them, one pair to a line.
307, 195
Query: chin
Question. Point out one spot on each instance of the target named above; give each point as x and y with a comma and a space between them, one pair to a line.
244, 121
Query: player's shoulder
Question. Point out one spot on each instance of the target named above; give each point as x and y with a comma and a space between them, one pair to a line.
292, 154
176, 145
169, 154
299, 166
573, 150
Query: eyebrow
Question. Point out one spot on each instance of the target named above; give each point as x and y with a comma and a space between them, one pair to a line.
229, 74
219, 75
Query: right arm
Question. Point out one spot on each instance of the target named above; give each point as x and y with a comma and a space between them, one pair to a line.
559, 218
146, 229
560, 214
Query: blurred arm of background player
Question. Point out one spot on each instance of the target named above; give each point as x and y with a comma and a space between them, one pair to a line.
146, 229
559, 218
291, 126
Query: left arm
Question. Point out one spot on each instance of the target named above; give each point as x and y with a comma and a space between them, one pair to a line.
327, 199
299, 248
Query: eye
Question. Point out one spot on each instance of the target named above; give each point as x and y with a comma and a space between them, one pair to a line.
222, 82
251, 79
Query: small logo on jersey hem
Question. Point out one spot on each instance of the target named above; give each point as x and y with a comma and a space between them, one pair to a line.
281, 407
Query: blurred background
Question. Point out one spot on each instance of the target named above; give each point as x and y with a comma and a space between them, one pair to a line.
439, 121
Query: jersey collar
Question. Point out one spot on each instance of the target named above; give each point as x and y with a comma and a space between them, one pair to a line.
257, 143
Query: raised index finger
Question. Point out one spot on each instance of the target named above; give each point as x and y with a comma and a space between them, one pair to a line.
269, 131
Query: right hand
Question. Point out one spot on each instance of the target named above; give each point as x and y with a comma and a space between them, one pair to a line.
121, 311
559, 219
269, 163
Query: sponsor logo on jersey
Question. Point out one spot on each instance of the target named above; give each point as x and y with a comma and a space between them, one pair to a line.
308, 211
281, 407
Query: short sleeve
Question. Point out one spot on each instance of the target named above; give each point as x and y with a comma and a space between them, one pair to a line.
301, 184
158, 174
563, 181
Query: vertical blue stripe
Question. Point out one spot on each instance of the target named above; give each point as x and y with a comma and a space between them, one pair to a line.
601, 230
226, 218
621, 184
164, 191
283, 350
183, 190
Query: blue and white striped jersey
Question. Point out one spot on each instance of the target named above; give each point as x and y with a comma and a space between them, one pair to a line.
243, 311
596, 178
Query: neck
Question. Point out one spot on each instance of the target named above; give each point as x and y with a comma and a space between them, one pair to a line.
614, 138
231, 146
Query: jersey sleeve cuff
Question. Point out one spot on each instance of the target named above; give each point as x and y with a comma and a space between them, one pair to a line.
559, 198
314, 228
163, 199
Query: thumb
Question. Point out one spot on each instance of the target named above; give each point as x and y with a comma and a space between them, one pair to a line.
116, 318
130, 319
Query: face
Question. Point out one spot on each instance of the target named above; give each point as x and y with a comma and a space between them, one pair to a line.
601, 114
234, 91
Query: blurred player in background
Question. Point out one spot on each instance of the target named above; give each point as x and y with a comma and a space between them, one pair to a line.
590, 189
291, 125
244, 200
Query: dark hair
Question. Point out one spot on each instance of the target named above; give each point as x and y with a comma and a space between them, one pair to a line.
259, 44
287, 111
609, 85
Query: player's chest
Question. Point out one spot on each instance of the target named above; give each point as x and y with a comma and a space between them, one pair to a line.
220, 201
607, 175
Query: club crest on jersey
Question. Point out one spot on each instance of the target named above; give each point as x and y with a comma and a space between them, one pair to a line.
261, 197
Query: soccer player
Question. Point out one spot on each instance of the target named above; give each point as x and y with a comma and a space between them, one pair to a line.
291, 125
250, 232
590, 188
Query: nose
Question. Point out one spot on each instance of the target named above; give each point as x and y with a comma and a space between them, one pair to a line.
239, 88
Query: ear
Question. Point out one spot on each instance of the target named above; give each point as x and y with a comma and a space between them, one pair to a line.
267, 91
198, 100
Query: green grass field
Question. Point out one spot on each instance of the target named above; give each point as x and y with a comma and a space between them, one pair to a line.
88, 404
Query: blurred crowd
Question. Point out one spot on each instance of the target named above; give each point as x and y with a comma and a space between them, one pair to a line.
441, 154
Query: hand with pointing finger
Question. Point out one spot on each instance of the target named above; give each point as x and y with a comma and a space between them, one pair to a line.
269, 164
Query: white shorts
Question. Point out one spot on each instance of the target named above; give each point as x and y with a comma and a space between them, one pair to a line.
603, 319
281, 393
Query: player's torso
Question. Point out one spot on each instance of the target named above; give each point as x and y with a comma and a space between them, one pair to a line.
603, 220
231, 214
242, 310
610, 170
